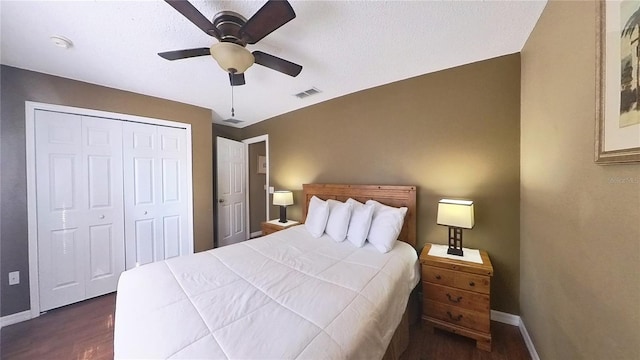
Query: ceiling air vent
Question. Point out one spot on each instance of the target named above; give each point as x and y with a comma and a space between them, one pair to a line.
304, 94
233, 121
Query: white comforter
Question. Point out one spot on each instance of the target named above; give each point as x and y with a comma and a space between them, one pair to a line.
286, 295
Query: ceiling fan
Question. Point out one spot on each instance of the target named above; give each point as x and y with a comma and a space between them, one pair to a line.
234, 32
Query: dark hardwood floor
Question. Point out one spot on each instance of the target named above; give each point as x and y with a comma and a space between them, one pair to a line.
79, 331
427, 344
85, 331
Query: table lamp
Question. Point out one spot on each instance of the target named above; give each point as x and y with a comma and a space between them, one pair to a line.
283, 199
457, 215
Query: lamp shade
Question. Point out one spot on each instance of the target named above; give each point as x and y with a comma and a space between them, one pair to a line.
283, 198
456, 213
231, 57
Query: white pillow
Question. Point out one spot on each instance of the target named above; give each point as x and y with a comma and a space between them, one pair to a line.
385, 226
317, 216
338, 223
360, 222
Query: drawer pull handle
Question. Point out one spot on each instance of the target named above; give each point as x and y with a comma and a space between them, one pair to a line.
471, 283
438, 277
456, 300
457, 318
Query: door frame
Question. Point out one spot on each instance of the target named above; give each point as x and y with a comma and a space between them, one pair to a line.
248, 142
32, 220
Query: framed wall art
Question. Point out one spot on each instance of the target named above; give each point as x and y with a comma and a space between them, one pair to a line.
618, 82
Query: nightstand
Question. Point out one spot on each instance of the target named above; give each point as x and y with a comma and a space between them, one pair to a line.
272, 226
457, 296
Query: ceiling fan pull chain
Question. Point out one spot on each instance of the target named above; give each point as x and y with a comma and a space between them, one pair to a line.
232, 110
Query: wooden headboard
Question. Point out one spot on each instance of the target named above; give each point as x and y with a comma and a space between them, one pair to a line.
396, 196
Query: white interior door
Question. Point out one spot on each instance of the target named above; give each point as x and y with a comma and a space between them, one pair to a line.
231, 193
155, 166
102, 156
79, 207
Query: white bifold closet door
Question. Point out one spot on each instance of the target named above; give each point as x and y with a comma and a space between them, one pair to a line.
155, 193
79, 207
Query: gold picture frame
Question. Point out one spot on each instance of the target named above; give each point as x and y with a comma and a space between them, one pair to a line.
617, 82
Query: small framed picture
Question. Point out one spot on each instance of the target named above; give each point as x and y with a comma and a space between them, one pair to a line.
262, 164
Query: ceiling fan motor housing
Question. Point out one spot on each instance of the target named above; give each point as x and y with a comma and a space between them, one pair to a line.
229, 24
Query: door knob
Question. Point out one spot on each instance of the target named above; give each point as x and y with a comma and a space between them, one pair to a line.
101, 217
145, 212
220, 201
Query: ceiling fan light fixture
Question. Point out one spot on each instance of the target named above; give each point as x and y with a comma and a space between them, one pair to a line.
231, 57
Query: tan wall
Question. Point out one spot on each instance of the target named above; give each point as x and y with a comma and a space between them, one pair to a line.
17, 86
580, 224
453, 133
257, 195
228, 132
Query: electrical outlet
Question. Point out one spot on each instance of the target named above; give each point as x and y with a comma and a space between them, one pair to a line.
14, 278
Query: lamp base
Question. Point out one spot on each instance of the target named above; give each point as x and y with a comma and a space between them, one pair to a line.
455, 241
283, 214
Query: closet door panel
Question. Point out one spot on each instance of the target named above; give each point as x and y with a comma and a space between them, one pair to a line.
102, 152
143, 242
61, 209
143, 181
172, 156
101, 252
172, 235
155, 193
66, 258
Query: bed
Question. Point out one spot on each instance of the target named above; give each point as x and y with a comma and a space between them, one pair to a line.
282, 296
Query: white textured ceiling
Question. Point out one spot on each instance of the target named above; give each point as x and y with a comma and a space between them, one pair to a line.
344, 46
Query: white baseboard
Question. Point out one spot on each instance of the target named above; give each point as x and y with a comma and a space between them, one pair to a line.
15, 318
505, 318
528, 341
255, 234
516, 320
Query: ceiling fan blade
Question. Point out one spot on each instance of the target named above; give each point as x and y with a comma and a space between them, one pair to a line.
271, 16
183, 54
236, 79
192, 14
277, 64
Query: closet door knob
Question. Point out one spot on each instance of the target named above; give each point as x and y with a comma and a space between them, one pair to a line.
145, 212
101, 217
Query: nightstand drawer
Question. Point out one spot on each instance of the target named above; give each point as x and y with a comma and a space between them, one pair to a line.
458, 279
459, 316
455, 297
